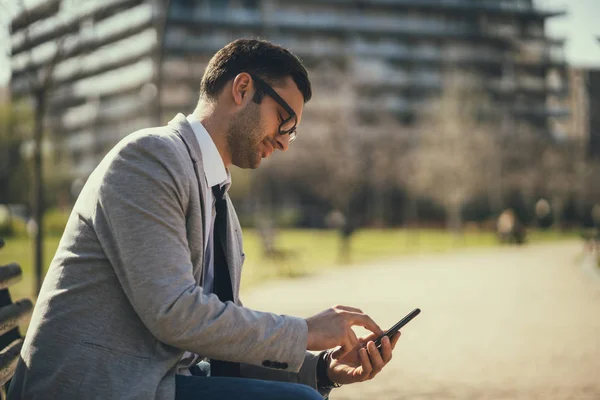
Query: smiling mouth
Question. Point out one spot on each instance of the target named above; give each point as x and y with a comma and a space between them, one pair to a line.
269, 150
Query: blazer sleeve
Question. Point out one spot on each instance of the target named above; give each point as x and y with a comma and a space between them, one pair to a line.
307, 374
144, 187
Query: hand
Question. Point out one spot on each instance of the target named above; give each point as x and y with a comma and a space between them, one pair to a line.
363, 362
333, 327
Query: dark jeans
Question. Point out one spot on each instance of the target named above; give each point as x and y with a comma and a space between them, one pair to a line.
213, 388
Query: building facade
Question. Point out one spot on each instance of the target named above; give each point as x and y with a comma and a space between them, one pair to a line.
110, 67
584, 124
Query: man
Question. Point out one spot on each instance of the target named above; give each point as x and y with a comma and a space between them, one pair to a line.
145, 281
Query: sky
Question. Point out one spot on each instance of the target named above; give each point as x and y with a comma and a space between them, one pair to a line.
580, 27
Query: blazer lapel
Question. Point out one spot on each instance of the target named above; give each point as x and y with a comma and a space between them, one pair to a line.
181, 125
229, 238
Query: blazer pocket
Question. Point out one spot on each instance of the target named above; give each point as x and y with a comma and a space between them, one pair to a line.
105, 373
111, 350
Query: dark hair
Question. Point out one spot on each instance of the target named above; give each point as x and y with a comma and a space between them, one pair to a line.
266, 60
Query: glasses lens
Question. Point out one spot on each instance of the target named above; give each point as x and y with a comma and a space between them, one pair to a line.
293, 136
288, 126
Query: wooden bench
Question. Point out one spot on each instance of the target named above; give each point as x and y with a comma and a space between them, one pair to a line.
11, 314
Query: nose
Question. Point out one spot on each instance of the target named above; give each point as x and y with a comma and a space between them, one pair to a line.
283, 142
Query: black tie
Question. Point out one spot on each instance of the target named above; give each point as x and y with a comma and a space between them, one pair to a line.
222, 281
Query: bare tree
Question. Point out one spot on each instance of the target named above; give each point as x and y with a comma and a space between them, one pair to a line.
450, 164
388, 145
15, 125
562, 177
521, 166
330, 161
591, 189
330, 168
39, 78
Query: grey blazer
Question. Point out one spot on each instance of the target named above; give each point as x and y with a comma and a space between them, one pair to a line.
122, 299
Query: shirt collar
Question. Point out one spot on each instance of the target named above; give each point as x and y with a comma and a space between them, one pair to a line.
214, 169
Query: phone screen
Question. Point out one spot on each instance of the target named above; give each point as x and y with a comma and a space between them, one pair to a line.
398, 326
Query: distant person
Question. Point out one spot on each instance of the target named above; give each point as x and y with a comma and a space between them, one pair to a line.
141, 300
509, 228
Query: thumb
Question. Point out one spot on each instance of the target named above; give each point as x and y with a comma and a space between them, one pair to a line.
341, 352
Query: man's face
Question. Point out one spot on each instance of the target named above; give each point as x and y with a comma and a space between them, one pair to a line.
254, 131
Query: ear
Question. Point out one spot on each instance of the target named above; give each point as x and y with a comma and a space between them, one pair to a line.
241, 88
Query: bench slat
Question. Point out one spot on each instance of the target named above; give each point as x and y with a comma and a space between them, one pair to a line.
10, 274
12, 314
9, 358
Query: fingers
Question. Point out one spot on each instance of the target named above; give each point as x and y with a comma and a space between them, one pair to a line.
351, 309
377, 362
356, 317
364, 321
372, 361
365, 339
349, 345
364, 372
339, 353
386, 350
395, 339
352, 340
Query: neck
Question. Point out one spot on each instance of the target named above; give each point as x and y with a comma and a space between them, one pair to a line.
215, 123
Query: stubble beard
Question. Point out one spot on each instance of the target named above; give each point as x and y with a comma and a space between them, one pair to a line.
244, 136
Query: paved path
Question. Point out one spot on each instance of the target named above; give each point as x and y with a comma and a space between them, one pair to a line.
509, 323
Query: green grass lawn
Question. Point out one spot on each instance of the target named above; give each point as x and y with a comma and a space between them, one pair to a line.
308, 251
20, 250
313, 250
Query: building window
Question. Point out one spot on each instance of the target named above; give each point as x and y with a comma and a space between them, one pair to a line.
250, 4
218, 4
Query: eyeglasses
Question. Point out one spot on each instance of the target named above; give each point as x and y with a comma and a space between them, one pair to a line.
288, 126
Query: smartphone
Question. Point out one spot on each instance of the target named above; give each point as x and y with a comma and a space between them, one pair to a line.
397, 327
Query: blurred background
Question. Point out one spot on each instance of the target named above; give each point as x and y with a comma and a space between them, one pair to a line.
437, 114
436, 126
437, 117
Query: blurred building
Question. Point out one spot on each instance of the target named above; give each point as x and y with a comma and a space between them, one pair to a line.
120, 65
584, 124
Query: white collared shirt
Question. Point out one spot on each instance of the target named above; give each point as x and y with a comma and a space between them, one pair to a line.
216, 174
